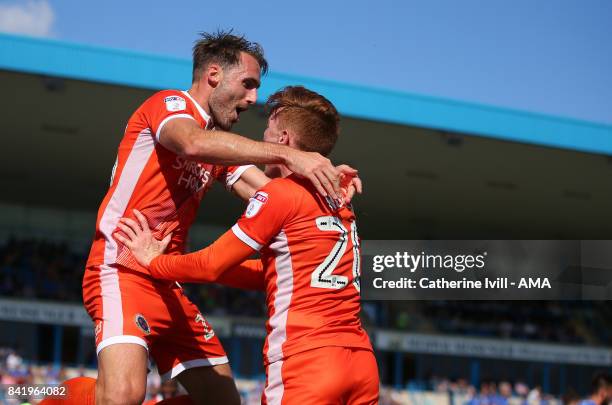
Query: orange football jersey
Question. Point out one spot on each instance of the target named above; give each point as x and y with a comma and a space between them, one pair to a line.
311, 258
165, 187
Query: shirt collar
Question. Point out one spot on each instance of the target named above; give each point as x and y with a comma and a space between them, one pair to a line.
203, 114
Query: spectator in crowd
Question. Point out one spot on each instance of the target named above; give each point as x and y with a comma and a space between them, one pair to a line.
601, 390
570, 397
168, 389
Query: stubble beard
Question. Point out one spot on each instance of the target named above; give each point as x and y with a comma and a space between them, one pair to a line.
220, 120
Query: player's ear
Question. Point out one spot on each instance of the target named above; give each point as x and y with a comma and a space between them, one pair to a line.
283, 138
214, 73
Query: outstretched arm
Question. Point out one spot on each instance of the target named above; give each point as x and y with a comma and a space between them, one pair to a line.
248, 275
268, 211
254, 179
206, 265
184, 137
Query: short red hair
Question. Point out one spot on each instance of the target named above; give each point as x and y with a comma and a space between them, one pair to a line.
310, 115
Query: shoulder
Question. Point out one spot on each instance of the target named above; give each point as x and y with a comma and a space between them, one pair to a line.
288, 188
308, 198
282, 183
172, 100
160, 95
280, 194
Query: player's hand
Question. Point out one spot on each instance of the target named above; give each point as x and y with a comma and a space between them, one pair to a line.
318, 169
138, 238
350, 183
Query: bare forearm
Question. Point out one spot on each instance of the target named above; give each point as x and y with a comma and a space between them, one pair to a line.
226, 148
251, 180
185, 138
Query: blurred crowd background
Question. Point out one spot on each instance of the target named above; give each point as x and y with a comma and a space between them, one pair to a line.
45, 270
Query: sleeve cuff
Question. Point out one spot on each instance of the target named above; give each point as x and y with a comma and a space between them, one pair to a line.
232, 178
153, 266
169, 118
246, 238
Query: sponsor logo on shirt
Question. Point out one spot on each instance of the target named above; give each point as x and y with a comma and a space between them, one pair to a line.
255, 204
175, 103
193, 176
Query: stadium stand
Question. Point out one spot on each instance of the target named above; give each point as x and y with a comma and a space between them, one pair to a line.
46, 270
16, 370
52, 271
35, 269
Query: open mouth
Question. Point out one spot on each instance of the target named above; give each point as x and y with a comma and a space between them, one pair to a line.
238, 111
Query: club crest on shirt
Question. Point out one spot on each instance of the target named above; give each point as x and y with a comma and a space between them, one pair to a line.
175, 103
141, 322
255, 204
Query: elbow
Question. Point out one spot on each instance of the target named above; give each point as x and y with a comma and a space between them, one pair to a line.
190, 151
214, 275
194, 148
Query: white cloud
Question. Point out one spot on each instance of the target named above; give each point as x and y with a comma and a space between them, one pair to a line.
32, 17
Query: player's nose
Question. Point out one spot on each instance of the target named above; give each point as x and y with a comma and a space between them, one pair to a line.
251, 96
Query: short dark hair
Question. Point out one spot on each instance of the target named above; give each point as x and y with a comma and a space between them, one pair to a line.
600, 380
313, 117
224, 48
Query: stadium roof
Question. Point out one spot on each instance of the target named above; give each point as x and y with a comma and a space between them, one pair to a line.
432, 168
136, 69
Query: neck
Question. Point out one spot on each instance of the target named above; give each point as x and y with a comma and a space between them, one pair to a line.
200, 94
284, 171
277, 171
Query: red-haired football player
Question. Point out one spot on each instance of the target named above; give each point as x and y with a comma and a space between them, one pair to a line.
174, 146
316, 350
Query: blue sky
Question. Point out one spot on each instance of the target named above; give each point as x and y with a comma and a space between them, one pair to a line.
548, 56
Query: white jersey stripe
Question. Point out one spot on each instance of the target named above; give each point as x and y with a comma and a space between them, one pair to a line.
274, 388
282, 297
109, 279
169, 118
112, 313
240, 234
179, 368
121, 339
